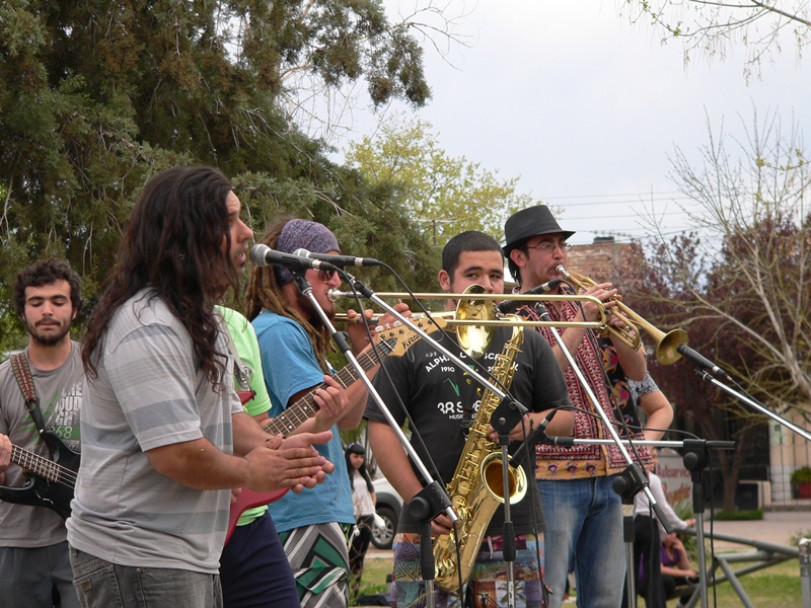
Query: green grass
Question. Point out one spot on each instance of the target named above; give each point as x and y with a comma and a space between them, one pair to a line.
375, 571
774, 586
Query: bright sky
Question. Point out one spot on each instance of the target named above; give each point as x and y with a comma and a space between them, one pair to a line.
587, 108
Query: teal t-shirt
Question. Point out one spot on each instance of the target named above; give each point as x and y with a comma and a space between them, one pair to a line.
291, 366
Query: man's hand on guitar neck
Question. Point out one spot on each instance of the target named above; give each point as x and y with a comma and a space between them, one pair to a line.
5, 456
332, 403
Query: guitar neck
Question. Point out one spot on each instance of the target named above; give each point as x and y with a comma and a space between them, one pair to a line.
42, 467
306, 407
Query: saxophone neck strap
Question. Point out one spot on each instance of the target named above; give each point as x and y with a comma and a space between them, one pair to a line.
22, 373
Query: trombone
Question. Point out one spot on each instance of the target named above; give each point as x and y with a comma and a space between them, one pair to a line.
667, 344
472, 315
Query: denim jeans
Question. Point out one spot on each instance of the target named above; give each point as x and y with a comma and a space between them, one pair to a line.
102, 584
584, 524
35, 575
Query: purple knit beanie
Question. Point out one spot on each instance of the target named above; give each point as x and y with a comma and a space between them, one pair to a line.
303, 234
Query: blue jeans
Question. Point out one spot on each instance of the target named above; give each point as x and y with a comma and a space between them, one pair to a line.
584, 523
102, 584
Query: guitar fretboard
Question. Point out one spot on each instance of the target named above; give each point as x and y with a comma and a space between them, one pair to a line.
306, 407
42, 467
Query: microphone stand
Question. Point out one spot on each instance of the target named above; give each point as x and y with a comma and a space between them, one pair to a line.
695, 459
432, 499
504, 419
706, 375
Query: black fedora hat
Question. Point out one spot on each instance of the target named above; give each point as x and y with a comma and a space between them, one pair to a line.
530, 222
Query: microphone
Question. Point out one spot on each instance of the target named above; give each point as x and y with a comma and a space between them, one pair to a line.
702, 361
338, 260
508, 306
262, 255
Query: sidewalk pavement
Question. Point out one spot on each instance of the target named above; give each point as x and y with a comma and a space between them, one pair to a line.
777, 527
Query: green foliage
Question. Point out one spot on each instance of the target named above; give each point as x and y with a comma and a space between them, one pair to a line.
801, 475
445, 195
97, 97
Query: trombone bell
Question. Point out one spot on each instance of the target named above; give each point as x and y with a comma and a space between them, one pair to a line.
474, 339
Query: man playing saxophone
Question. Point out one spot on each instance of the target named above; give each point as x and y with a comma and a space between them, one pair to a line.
442, 402
583, 513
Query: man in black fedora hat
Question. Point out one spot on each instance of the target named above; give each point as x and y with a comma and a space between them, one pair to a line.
583, 513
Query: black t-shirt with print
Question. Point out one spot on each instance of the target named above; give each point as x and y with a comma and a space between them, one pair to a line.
442, 401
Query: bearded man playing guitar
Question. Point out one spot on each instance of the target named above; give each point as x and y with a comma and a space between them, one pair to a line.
33, 550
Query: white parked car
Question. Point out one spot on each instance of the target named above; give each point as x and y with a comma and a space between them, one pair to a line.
389, 505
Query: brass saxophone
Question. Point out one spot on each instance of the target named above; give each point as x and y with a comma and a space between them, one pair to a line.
476, 489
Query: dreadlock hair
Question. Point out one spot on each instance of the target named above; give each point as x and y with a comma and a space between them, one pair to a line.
173, 245
265, 292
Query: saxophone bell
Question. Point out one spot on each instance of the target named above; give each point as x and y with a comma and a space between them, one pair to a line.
493, 479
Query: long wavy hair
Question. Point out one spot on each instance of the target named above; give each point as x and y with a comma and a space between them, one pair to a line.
173, 245
265, 292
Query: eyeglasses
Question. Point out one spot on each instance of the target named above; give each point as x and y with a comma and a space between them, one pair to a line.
326, 275
549, 246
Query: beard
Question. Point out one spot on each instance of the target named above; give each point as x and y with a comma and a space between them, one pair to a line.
47, 339
312, 315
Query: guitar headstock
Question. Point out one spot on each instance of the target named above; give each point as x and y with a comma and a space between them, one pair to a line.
399, 338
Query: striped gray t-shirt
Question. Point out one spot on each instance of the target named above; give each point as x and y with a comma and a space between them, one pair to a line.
149, 393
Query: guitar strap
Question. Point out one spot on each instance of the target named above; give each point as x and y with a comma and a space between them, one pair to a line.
19, 365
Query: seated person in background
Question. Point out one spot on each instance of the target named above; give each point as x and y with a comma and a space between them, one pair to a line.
648, 531
677, 576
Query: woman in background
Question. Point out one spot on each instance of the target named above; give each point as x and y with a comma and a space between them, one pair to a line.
363, 500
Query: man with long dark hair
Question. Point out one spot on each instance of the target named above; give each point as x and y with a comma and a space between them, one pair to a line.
165, 436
